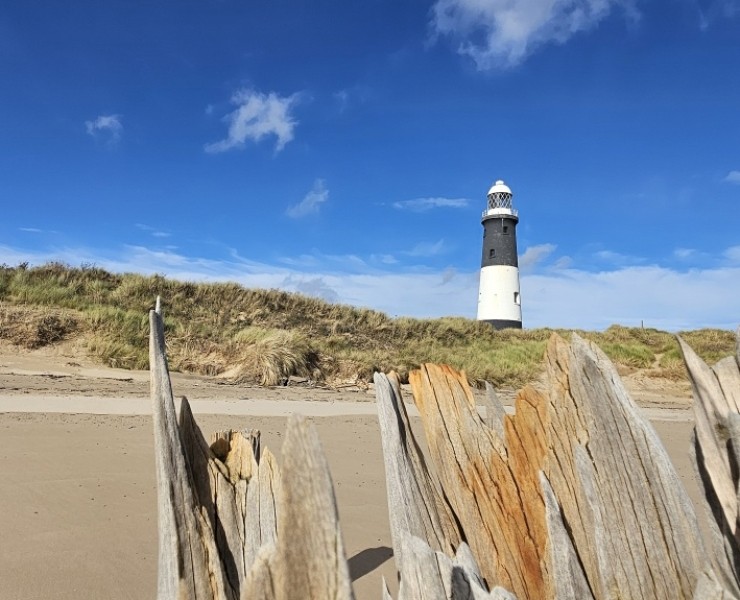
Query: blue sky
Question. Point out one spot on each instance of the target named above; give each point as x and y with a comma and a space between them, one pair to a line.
344, 149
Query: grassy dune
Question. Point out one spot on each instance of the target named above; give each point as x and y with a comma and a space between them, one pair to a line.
267, 335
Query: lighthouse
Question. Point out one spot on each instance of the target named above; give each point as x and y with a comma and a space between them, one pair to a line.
499, 300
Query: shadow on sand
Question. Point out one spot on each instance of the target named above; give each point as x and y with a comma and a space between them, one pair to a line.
368, 560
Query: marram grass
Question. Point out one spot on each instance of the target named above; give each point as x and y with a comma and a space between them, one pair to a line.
266, 336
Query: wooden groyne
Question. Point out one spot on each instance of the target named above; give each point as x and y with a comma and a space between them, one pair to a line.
572, 496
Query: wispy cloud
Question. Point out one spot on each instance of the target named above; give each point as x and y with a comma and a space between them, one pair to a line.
617, 258
564, 262
570, 298
733, 254
153, 231
534, 255
350, 97
311, 202
105, 127
684, 253
318, 287
256, 117
342, 99
427, 249
425, 204
716, 9
661, 297
37, 230
386, 259
502, 33
448, 275
729, 8
733, 177
330, 262
696, 257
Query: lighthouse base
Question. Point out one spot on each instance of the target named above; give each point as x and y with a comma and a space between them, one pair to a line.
503, 323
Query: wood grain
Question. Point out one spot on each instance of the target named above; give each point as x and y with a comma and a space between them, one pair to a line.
232, 524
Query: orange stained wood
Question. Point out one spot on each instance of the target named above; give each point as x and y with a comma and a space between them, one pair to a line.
493, 484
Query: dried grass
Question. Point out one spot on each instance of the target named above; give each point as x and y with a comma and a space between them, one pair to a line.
35, 328
270, 335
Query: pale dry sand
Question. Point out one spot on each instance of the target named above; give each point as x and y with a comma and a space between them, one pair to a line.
78, 515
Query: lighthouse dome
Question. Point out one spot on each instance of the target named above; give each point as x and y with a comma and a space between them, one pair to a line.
499, 188
499, 200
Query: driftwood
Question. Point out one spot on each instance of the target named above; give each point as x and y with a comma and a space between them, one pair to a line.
419, 509
572, 496
232, 524
716, 456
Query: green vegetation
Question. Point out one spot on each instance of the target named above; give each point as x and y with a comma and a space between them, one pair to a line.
268, 335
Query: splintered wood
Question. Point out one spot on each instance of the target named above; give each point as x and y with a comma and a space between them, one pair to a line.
716, 456
572, 496
232, 524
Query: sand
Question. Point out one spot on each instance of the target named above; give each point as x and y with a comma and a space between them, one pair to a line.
78, 515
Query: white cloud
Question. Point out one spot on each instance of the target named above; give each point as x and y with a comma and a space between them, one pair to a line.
425, 204
733, 177
257, 116
661, 297
502, 33
311, 202
536, 254
109, 127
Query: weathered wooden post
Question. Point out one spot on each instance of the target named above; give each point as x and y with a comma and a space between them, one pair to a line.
232, 525
572, 496
716, 457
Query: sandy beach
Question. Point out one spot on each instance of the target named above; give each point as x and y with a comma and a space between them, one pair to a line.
76, 454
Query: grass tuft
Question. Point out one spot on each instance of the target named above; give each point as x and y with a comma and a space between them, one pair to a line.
35, 328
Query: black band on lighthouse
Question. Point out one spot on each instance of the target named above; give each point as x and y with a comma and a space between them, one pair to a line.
499, 242
504, 324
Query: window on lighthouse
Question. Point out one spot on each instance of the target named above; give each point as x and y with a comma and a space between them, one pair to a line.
491, 253
516, 298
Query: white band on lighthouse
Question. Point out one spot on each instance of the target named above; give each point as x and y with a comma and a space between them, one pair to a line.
498, 298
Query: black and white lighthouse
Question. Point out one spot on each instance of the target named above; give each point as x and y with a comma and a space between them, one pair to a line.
499, 300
